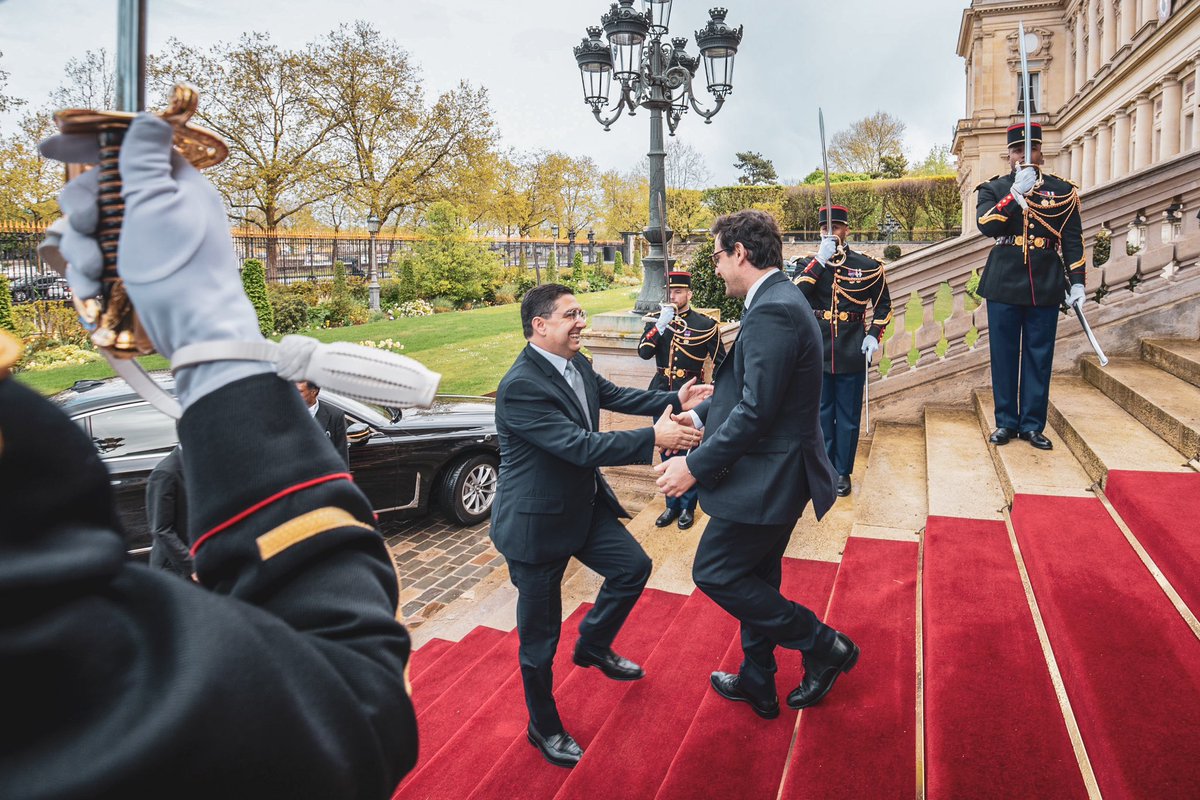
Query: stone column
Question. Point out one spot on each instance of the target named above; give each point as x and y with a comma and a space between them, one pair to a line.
1128, 22
1172, 99
1108, 36
1069, 85
1080, 57
1149, 13
1104, 143
1121, 134
1093, 35
1077, 163
1195, 143
1088, 177
1143, 120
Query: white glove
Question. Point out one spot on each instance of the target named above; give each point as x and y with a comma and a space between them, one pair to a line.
1024, 181
665, 316
175, 251
869, 346
828, 249
1077, 295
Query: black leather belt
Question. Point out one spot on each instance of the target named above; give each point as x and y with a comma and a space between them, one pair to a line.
842, 316
678, 373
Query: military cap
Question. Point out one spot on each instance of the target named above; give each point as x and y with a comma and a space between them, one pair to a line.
1016, 134
679, 280
840, 214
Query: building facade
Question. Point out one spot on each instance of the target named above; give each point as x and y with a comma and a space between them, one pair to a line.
1113, 85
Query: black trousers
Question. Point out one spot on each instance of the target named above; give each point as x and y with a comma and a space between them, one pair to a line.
841, 416
609, 551
740, 567
1021, 342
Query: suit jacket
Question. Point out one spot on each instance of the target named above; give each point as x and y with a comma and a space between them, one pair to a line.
549, 454
763, 455
166, 512
333, 422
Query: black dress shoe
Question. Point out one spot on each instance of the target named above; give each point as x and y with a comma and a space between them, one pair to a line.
686, 518
1001, 436
666, 518
820, 672
728, 686
559, 749
843, 485
611, 664
1036, 439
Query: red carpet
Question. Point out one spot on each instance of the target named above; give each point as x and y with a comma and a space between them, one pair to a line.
1130, 664
422, 659
993, 726
729, 751
441, 674
634, 747
454, 770
1163, 511
860, 741
585, 699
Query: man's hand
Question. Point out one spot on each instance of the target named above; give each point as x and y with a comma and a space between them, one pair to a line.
685, 419
1023, 182
692, 394
674, 477
670, 435
869, 346
665, 315
1077, 295
828, 249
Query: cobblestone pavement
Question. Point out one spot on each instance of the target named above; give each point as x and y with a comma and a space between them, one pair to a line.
438, 560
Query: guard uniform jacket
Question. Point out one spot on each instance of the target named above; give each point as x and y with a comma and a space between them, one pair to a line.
839, 293
680, 350
1036, 252
279, 675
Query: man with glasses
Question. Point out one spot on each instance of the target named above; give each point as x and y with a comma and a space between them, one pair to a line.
680, 339
839, 284
761, 461
552, 503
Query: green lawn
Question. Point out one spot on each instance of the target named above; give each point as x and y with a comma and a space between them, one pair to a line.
471, 349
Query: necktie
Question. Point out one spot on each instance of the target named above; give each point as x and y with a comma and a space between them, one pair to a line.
575, 381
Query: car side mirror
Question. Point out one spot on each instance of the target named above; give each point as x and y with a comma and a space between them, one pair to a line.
358, 433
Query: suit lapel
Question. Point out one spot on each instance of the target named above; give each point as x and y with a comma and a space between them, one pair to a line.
560, 385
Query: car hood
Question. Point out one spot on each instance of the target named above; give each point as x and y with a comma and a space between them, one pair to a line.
456, 412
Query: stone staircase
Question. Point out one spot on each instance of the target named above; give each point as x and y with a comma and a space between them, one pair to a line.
1001, 593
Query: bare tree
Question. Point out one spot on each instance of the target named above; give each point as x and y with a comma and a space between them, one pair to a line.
685, 166
89, 82
7, 102
864, 146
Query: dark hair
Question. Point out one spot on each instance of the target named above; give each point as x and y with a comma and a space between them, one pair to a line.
757, 231
539, 302
312, 387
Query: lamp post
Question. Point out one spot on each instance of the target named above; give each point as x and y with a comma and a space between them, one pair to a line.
373, 225
571, 248
591, 246
656, 76
554, 229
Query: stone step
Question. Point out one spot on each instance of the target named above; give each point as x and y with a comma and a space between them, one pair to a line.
962, 478
1026, 470
892, 500
1165, 404
1102, 435
1180, 357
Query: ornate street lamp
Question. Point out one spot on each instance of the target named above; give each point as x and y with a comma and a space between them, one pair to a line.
554, 229
373, 225
591, 246
571, 248
658, 76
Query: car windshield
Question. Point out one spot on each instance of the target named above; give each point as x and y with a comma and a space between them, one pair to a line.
366, 412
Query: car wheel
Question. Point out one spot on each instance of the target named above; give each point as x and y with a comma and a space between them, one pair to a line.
20, 296
468, 489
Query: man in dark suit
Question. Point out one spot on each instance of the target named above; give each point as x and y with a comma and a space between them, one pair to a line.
552, 503
167, 515
332, 421
763, 458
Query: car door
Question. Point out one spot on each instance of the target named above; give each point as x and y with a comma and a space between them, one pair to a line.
131, 440
373, 464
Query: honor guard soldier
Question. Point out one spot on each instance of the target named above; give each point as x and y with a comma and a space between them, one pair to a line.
679, 338
1036, 261
839, 284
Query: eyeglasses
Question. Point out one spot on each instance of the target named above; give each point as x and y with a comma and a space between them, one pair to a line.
715, 256
576, 313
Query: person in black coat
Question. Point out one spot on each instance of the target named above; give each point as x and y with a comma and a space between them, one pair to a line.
332, 421
761, 462
281, 674
167, 515
553, 503
1037, 262
839, 284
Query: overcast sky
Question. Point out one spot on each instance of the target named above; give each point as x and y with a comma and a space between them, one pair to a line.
852, 58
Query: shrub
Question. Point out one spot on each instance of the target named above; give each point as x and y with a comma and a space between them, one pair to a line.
291, 314
341, 305
708, 290
43, 354
52, 321
254, 281
1101, 249
441, 304
891, 252
448, 262
413, 308
618, 263
6, 312
578, 272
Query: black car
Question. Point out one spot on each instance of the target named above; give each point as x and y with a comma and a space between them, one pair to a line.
40, 287
402, 459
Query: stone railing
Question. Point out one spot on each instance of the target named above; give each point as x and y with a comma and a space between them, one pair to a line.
938, 338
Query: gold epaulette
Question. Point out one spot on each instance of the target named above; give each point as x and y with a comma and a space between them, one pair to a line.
985, 183
1060, 177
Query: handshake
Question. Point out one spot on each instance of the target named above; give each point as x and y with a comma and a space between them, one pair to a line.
673, 432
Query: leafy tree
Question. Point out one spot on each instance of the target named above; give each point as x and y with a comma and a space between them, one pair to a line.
578, 272
906, 200
341, 302
686, 210
6, 311
817, 177
254, 282
576, 206
29, 183
944, 202
863, 146
448, 261
623, 198
708, 290
893, 167
938, 162
756, 169
526, 192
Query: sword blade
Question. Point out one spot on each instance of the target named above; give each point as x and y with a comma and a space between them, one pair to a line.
867, 395
1025, 88
1091, 337
131, 55
825, 165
